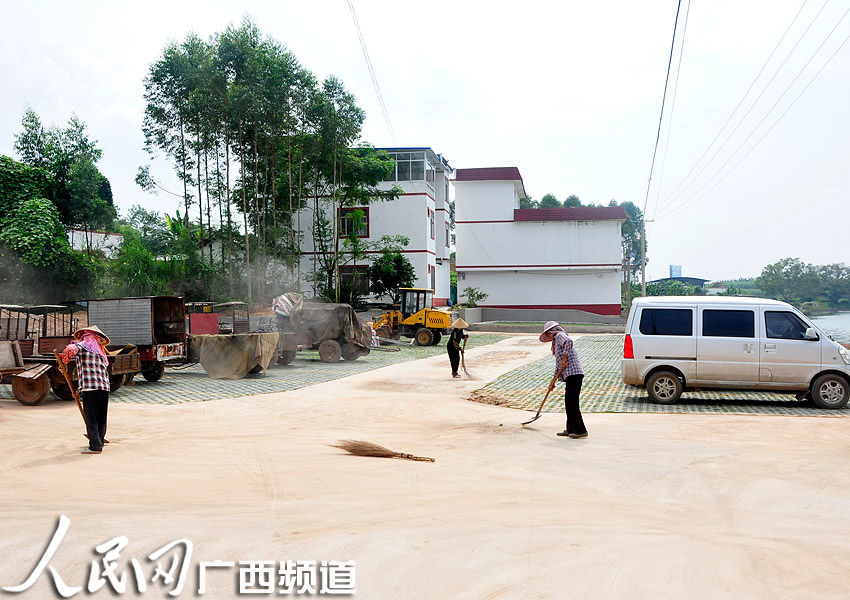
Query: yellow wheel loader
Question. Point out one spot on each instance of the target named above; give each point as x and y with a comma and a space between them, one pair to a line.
417, 319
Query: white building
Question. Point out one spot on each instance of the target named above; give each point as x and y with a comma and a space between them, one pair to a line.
554, 259
108, 243
421, 213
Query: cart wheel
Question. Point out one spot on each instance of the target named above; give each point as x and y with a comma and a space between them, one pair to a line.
330, 351
30, 392
128, 378
115, 382
286, 357
384, 332
62, 391
155, 372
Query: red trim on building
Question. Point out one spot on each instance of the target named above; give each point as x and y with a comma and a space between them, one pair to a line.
417, 194
465, 222
574, 213
599, 309
379, 252
459, 267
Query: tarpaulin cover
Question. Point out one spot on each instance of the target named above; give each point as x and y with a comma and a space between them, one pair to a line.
233, 356
330, 322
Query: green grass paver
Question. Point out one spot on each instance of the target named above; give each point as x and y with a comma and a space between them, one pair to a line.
604, 391
192, 384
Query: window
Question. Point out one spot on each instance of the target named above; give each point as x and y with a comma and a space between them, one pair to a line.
784, 325
355, 278
433, 282
448, 235
354, 221
431, 222
729, 323
666, 321
411, 166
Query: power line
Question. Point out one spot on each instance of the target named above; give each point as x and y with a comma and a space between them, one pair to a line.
672, 107
371, 71
764, 135
655, 151
693, 198
666, 202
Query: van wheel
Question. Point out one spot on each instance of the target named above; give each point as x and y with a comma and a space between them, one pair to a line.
664, 387
830, 391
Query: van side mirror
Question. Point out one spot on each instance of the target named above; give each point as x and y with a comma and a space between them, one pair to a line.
811, 334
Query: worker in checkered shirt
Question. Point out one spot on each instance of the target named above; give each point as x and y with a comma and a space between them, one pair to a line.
570, 372
89, 350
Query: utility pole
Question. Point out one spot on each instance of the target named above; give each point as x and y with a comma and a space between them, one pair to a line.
643, 257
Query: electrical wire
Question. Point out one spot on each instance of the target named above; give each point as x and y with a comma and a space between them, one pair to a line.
764, 135
668, 199
693, 198
672, 109
663, 99
371, 71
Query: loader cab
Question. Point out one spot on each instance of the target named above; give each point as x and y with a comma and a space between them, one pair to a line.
415, 299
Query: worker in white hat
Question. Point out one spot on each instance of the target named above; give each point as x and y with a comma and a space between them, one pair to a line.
89, 350
569, 370
453, 346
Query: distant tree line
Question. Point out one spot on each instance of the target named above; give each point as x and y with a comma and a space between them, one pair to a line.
810, 287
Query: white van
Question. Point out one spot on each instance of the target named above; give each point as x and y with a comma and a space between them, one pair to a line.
675, 343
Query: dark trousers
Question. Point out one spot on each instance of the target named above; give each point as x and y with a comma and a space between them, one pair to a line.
454, 357
572, 390
95, 405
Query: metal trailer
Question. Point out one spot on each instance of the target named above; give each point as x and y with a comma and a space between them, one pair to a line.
155, 325
233, 317
14, 326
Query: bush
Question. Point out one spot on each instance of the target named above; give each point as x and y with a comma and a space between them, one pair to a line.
474, 296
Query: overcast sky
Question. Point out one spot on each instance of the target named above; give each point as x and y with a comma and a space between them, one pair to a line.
568, 92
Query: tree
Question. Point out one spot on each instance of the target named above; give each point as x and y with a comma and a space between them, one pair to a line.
572, 201
391, 270
528, 203
550, 201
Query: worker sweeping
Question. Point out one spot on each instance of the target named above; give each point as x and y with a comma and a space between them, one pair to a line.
453, 346
89, 350
570, 372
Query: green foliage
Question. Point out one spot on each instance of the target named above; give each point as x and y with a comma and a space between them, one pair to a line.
34, 233
550, 201
572, 201
473, 296
389, 272
80, 192
20, 182
817, 286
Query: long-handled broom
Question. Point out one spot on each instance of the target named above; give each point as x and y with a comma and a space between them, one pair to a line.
463, 359
551, 384
360, 448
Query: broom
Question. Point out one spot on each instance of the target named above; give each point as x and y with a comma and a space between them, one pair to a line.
359, 448
554, 379
463, 358
76, 394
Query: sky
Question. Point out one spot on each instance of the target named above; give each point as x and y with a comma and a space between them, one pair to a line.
568, 92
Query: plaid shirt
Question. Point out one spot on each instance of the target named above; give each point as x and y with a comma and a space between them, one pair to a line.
92, 370
564, 347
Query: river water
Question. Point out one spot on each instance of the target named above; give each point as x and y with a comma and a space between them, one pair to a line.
837, 325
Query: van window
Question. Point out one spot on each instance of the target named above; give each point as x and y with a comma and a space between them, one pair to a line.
784, 325
729, 323
666, 321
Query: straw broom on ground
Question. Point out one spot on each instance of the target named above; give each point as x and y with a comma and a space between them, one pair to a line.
360, 448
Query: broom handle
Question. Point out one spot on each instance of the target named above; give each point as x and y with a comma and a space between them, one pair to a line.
64, 370
552, 383
411, 457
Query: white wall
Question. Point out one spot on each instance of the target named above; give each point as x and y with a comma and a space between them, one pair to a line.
543, 288
108, 243
484, 200
538, 243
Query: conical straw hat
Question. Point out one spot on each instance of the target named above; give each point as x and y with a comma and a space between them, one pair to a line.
79, 332
460, 324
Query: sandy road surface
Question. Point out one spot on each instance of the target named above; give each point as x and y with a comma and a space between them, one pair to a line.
649, 506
